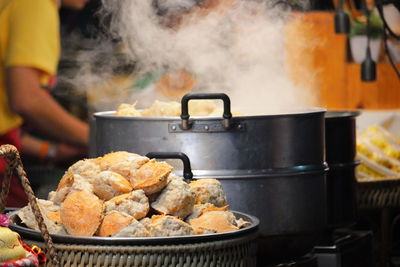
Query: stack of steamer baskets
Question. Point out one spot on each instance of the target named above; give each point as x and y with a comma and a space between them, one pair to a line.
270, 166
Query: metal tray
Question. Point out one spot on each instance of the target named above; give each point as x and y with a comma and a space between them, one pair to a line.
169, 240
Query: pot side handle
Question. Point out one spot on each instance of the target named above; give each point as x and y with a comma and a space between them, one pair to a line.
187, 170
227, 115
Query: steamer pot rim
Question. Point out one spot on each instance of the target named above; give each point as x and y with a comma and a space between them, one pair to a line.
169, 240
288, 172
339, 114
302, 112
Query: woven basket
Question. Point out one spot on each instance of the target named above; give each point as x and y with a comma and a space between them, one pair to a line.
240, 251
236, 251
379, 193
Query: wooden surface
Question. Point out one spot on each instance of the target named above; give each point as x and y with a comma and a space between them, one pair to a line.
326, 67
384, 93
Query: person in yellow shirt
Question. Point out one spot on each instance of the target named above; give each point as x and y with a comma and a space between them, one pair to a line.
29, 54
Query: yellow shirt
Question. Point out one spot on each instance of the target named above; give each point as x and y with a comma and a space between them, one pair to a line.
29, 37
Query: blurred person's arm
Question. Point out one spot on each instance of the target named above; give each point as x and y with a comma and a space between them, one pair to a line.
47, 151
37, 107
30, 60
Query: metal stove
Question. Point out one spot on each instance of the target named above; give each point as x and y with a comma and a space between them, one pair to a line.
350, 248
306, 261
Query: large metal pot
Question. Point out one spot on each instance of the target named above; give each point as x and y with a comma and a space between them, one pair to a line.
271, 166
247, 145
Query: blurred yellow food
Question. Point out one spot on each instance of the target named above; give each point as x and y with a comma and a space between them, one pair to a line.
376, 130
392, 152
362, 148
127, 110
380, 147
364, 169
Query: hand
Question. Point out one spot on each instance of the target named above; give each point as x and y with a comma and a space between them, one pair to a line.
65, 152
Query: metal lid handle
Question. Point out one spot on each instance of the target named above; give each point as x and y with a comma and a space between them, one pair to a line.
227, 115
187, 170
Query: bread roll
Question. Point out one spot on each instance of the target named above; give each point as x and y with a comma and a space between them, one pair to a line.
152, 177
202, 108
203, 231
123, 162
134, 229
113, 223
219, 221
135, 204
109, 184
127, 110
70, 183
50, 213
81, 213
87, 168
163, 109
165, 225
146, 222
209, 191
176, 199
199, 209
240, 223
172, 109
172, 177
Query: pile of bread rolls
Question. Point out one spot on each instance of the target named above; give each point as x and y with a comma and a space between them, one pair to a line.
124, 194
169, 109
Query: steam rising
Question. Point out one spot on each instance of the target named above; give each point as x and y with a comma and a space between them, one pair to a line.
236, 47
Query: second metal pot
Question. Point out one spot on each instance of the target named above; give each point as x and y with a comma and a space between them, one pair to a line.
291, 206
340, 138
